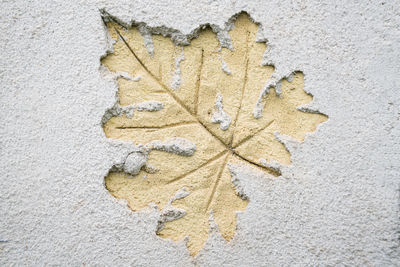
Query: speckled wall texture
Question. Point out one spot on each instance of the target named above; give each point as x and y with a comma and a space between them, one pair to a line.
330, 200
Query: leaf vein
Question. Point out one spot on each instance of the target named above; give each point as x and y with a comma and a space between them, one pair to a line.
177, 100
201, 166
243, 88
196, 103
214, 189
157, 128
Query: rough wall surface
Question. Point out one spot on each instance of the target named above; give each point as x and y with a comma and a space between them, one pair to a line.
338, 203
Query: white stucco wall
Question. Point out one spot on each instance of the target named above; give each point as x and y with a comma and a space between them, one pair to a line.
338, 203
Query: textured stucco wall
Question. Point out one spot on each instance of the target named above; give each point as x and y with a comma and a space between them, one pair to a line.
338, 203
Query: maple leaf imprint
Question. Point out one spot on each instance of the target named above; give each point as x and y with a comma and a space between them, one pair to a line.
192, 125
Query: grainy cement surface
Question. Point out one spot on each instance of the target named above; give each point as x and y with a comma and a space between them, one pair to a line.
338, 203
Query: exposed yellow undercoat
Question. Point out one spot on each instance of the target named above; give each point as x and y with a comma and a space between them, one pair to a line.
187, 113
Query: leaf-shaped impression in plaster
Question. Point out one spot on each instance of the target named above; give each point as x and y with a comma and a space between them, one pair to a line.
193, 111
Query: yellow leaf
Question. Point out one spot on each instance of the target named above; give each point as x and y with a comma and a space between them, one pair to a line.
202, 97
